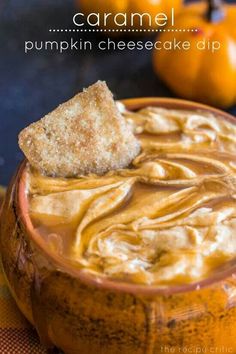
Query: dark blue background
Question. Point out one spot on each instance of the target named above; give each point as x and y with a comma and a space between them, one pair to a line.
32, 85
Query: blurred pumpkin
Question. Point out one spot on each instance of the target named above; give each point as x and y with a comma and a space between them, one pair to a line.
152, 7
202, 75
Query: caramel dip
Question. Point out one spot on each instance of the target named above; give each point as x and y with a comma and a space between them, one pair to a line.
169, 218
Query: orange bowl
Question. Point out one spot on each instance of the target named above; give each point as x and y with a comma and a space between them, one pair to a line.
81, 313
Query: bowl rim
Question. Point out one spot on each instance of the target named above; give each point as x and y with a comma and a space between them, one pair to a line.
101, 281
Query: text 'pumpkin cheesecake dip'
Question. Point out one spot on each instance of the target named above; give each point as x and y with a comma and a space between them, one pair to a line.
127, 217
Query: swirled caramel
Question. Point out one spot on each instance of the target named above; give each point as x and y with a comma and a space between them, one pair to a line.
170, 218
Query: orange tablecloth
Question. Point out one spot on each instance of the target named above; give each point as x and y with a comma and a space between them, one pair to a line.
16, 335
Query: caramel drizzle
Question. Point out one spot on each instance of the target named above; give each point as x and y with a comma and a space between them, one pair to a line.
169, 219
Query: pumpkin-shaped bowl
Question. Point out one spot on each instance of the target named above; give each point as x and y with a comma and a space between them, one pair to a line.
80, 313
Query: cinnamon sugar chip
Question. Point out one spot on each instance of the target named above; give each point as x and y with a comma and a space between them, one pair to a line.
87, 134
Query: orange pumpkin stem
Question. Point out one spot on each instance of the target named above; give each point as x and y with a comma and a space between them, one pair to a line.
215, 11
